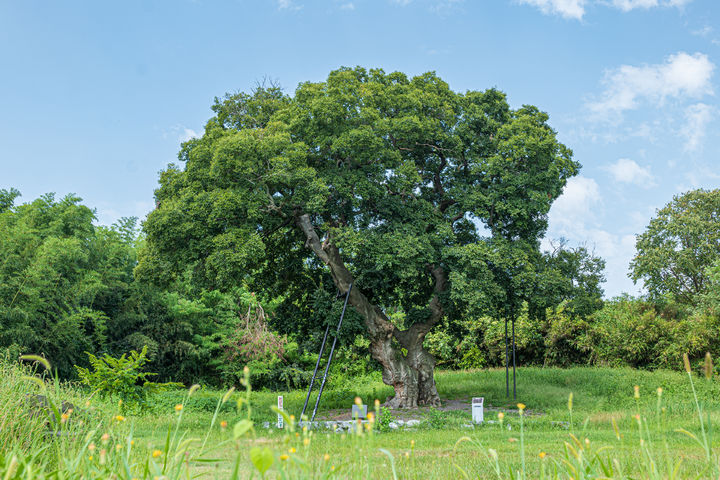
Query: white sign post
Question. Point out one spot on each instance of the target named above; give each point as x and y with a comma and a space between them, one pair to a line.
477, 409
280, 407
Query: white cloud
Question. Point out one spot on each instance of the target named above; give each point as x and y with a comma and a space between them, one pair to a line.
681, 75
617, 251
627, 5
574, 9
287, 5
188, 133
179, 133
627, 171
402, 3
576, 204
347, 6
697, 117
573, 217
445, 6
703, 32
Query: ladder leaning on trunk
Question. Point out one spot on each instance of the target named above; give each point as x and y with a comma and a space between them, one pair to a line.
327, 366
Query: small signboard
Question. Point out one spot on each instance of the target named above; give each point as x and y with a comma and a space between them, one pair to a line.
359, 411
280, 423
478, 404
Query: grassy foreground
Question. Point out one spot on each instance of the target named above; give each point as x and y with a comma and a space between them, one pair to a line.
608, 430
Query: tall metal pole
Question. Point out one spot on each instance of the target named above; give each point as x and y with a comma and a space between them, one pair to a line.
332, 349
507, 361
513, 343
317, 365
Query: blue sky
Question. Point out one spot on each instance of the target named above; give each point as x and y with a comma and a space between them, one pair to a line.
95, 97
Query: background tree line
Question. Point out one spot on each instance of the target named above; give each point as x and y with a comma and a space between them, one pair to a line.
67, 287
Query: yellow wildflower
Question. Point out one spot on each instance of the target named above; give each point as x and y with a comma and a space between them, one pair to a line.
178, 407
64, 417
156, 453
119, 418
284, 456
223, 424
542, 454
306, 441
326, 457
637, 391
292, 450
521, 407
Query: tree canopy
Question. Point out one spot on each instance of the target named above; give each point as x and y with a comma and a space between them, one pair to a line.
399, 185
679, 245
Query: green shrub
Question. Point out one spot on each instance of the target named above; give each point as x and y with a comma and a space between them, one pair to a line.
633, 332
562, 337
121, 377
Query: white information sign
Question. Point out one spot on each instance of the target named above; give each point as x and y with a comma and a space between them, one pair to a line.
477, 409
280, 407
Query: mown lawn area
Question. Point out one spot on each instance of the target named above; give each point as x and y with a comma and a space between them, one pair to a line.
435, 449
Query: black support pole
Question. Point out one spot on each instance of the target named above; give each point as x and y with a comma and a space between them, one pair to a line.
332, 349
507, 361
317, 365
513, 348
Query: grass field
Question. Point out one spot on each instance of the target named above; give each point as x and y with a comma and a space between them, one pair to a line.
610, 433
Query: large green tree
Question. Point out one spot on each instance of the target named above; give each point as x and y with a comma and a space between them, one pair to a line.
389, 183
679, 245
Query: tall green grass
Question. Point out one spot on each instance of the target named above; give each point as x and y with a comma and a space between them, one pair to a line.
19, 428
617, 431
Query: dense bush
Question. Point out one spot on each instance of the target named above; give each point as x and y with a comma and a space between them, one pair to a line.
638, 333
122, 378
627, 331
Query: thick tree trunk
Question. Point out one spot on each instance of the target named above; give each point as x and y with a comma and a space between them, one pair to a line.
410, 375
